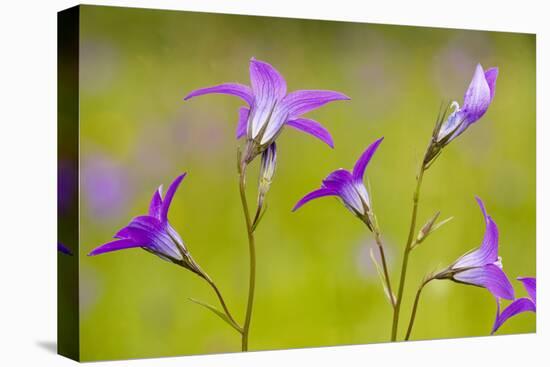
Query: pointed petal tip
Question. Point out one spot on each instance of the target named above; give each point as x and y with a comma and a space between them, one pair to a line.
96, 251
482, 207
167, 200
298, 205
177, 180
341, 97
313, 128
235, 89
315, 194
363, 160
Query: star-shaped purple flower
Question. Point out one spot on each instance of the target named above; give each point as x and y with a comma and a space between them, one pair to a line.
154, 233
270, 107
482, 267
348, 186
477, 99
520, 305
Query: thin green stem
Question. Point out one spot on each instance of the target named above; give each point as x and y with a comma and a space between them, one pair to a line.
407, 251
252, 250
224, 306
415, 306
378, 239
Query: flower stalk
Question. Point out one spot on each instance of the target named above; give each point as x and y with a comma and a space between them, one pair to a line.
407, 251
415, 305
380, 244
252, 254
230, 318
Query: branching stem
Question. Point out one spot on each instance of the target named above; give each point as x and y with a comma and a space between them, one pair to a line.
415, 306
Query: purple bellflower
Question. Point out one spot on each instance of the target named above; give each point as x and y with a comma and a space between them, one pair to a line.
154, 233
520, 305
348, 187
270, 107
477, 99
482, 267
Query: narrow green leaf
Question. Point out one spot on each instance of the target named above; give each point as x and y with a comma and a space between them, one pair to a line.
391, 297
222, 315
440, 224
259, 215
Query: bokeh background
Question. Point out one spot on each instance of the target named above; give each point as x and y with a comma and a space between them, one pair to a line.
316, 285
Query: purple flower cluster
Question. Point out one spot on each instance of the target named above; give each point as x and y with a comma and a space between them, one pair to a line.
269, 109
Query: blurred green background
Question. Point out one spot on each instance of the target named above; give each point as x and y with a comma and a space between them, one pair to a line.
316, 285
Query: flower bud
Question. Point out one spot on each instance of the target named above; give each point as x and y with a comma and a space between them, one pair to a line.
267, 170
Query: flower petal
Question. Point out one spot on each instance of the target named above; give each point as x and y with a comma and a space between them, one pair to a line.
301, 101
268, 87
530, 285
235, 89
487, 253
243, 122
169, 195
156, 203
477, 97
520, 305
491, 77
336, 179
115, 246
265, 79
341, 181
456, 124
319, 193
313, 128
364, 159
122, 234
490, 277
155, 235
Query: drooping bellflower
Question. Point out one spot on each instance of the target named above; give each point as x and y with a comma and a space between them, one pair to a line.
477, 99
520, 305
482, 267
348, 187
154, 233
270, 107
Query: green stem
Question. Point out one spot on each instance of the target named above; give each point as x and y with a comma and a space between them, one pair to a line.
224, 306
378, 239
252, 250
415, 306
407, 251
